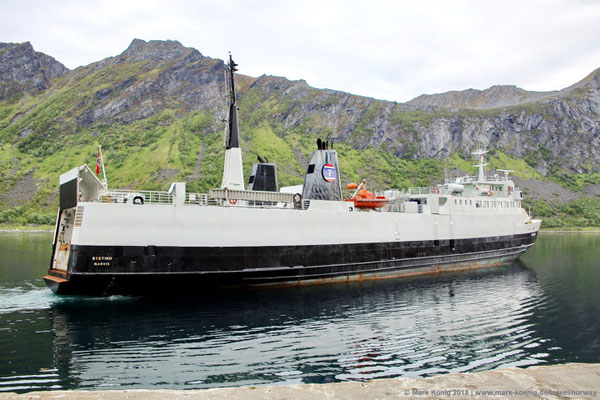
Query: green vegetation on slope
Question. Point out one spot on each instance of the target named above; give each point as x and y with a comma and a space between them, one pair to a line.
583, 212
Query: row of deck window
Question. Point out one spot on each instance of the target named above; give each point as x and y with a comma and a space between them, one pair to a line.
489, 203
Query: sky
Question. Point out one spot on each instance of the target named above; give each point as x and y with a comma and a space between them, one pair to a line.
393, 50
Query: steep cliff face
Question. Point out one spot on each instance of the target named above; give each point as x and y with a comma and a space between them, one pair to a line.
561, 131
24, 70
558, 129
158, 110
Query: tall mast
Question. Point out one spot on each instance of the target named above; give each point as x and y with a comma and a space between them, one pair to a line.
233, 132
233, 172
481, 164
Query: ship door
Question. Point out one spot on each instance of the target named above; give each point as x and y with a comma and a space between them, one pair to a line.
62, 240
443, 206
435, 204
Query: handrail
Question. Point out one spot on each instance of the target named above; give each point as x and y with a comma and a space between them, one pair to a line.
471, 179
215, 197
420, 190
134, 196
251, 195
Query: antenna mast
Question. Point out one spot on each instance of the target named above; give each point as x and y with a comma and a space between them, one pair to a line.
481, 164
233, 170
233, 131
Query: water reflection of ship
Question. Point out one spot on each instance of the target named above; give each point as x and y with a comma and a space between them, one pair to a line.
118, 316
358, 331
64, 362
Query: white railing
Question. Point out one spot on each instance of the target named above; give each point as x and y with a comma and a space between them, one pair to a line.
216, 197
200, 199
395, 206
251, 195
420, 190
251, 198
471, 179
135, 196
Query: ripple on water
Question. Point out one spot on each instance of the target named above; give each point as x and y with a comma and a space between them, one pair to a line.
31, 296
14, 299
44, 381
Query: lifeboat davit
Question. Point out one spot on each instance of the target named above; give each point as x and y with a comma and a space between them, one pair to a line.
366, 199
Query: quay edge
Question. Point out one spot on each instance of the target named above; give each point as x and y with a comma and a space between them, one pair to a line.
567, 381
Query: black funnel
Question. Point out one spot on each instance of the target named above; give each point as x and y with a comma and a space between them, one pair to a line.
322, 180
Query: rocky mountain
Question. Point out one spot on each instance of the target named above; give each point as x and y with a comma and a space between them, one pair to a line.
158, 111
494, 97
24, 70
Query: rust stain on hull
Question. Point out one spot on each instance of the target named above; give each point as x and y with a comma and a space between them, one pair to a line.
362, 277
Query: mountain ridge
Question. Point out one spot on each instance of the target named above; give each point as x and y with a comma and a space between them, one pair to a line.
496, 96
160, 50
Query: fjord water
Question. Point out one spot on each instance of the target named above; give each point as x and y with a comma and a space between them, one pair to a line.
542, 309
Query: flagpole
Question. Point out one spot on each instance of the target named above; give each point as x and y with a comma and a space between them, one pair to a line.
103, 170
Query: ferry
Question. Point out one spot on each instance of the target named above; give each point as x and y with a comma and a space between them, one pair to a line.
109, 241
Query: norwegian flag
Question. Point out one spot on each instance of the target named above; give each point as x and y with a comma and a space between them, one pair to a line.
98, 163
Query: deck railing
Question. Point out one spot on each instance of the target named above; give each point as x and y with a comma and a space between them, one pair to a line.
135, 196
215, 197
420, 190
199, 199
471, 179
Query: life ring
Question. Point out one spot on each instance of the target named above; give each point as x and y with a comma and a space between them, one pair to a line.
436, 190
138, 200
232, 201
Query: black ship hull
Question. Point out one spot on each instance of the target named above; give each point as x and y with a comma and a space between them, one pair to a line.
155, 270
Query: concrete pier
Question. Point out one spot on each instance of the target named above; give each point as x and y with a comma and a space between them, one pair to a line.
570, 381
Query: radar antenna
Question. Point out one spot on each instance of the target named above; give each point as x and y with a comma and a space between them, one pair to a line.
506, 172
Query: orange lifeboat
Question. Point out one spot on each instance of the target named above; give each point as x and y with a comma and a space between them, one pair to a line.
364, 199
